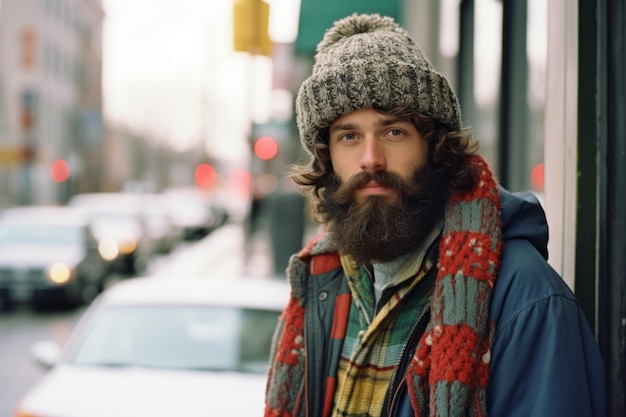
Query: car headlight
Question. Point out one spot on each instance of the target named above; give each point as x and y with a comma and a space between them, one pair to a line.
59, 273
108, 249
128, 246
22, 413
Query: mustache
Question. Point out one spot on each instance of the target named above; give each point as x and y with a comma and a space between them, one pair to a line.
344, 191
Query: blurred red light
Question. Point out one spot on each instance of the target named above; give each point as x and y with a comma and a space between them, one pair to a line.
205, 176
59, 170
240, 181
537, 176
266, 148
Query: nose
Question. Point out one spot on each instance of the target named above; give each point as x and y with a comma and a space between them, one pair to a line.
372, 156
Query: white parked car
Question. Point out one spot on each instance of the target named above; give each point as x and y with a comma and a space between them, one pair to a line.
156, 346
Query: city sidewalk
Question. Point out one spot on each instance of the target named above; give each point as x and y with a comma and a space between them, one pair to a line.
221, 253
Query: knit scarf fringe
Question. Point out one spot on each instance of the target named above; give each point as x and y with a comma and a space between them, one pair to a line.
449, 371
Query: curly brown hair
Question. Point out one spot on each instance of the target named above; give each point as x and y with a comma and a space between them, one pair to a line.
448, 153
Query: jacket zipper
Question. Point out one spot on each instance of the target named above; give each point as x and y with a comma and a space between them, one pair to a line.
405, 358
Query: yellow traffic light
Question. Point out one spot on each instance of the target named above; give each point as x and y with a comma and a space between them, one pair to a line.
251, 27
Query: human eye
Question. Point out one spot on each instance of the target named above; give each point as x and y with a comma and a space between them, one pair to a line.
395, 133
347, 137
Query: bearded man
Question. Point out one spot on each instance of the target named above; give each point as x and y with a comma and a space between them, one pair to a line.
428, 290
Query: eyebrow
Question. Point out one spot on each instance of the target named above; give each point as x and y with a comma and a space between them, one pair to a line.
380, 123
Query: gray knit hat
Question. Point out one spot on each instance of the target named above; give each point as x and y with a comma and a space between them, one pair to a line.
369, 61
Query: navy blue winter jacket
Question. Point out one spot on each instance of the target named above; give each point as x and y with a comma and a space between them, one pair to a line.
545, 361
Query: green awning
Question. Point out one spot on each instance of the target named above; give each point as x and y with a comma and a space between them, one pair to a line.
316, 16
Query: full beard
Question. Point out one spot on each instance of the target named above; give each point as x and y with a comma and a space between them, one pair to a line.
381, 229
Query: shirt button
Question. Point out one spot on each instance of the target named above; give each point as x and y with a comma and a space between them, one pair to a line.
322, 296
361, 334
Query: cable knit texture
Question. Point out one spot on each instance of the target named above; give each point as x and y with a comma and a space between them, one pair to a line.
368, 61
448, 374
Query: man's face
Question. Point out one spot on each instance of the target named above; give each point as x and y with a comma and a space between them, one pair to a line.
386, 198
368, 141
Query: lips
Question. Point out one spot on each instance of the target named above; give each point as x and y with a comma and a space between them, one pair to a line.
374, 187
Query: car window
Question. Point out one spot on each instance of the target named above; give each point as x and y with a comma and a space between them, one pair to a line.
255, 339
190, 337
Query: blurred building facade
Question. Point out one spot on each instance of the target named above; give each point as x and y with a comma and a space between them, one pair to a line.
51, 98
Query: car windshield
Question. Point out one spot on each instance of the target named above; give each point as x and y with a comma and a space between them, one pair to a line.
191, 337
115, 223
39, 234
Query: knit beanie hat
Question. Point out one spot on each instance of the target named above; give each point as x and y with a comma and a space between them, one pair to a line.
368, 61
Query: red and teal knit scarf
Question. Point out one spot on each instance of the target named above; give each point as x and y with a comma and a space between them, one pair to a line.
449, 371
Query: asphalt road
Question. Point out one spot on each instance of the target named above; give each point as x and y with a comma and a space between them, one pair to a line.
19, 330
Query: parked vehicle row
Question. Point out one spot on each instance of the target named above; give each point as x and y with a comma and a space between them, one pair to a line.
192, 214
120, 226
65, 254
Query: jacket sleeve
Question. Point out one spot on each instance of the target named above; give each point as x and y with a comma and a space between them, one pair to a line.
545, 361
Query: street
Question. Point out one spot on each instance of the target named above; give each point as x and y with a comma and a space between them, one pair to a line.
217, 256
19, 329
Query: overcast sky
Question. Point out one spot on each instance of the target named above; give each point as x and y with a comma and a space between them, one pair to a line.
168, 62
